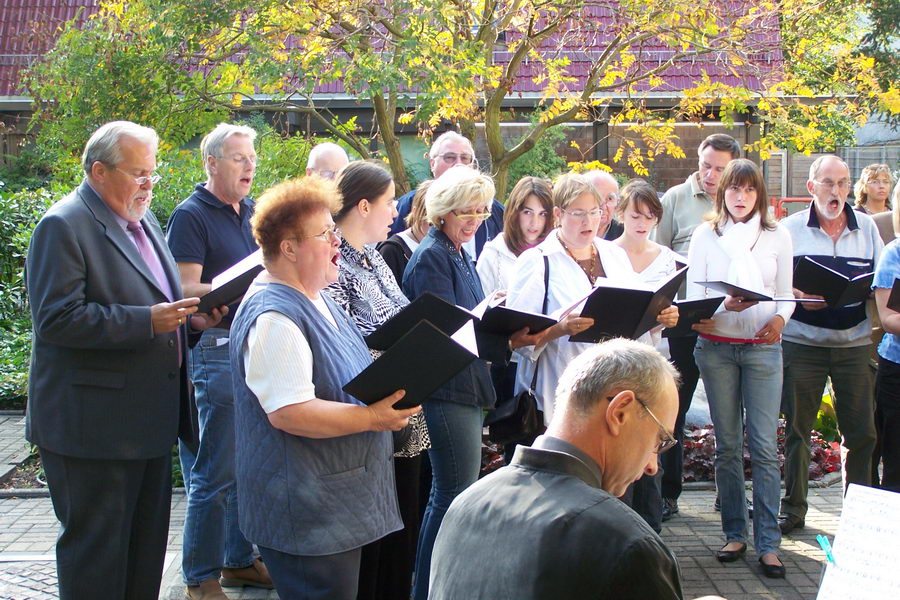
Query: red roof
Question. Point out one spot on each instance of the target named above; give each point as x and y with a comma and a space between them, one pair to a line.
29, 27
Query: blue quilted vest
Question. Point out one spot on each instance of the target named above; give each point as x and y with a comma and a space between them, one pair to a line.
298, 495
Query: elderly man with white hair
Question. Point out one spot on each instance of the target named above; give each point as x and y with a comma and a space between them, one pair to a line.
608, 188
326, 160
448, 150
207, 233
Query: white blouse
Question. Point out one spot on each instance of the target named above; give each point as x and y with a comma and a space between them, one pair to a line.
772, 252
661, 268
567, 283
495, 265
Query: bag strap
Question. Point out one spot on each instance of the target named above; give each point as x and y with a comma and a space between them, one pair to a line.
543, 312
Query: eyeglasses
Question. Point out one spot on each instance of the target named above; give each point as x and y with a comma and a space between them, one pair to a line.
479, 216
594, 213
329, 235
843, 184
878, 182
144, 179
451, 157
668, 440
326, 174
253, 160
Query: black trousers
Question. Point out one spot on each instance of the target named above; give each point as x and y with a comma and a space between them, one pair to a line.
386, 567
681, 349
114, 517
887, 422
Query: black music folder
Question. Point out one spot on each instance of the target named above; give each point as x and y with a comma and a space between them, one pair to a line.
734, 291
421, 361
691, 312
838, 290
440, 313
893, 302
232, 283
626, 311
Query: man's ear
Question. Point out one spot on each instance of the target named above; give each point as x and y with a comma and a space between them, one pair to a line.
619, 410
99, 171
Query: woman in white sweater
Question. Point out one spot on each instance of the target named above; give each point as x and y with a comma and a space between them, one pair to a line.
739, 354
526, 222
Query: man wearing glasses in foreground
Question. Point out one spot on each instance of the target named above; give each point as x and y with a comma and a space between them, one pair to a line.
550, 525
448, 150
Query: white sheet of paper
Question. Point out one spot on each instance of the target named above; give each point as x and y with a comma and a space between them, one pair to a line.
865, 548
237, 269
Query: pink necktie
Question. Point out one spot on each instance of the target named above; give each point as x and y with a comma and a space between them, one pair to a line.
151, 259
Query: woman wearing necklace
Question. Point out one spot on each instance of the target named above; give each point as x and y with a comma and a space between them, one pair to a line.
368, 291
576, 258
739, 354
456, 205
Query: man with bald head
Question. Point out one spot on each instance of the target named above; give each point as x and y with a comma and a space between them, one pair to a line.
326, 160
550, 525
822, 341
450, 149
608, 188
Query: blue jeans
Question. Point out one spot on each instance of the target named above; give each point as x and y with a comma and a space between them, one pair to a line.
745, 379
212, 539
455, 431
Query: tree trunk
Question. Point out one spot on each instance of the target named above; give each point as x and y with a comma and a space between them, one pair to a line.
384, 116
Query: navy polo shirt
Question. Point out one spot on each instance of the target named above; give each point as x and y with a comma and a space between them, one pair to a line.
206, 231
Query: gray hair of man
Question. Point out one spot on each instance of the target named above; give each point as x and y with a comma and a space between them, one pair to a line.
214, 141
321, 149
817, 164
598, 175
448, 136
610, 367
103, 145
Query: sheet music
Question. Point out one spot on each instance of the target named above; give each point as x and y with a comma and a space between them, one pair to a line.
865, 548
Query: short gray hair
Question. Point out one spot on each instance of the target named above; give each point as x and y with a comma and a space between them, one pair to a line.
323, 148
615, 365
817, 164
214, 141
459, 187
103, 145
595, 175
444, 139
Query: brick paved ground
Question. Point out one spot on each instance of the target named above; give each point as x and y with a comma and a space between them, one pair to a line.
13, 447
28, 531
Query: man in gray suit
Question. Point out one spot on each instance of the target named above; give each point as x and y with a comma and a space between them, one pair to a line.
550, 525
108, 390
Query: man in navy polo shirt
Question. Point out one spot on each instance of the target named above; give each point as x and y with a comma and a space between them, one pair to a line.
207, 233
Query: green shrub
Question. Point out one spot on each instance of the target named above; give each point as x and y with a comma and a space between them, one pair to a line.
544, 160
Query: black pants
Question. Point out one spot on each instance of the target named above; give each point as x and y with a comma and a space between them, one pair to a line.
681, 349
643, 496
114, 517
887, 422
386, 567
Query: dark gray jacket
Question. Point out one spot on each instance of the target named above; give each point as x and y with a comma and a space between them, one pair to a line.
542, 528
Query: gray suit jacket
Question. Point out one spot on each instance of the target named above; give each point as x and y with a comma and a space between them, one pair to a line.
101, 385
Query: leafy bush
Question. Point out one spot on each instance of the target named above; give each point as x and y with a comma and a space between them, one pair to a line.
700, 448
544, 160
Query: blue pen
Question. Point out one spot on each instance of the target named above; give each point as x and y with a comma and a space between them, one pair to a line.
826, 547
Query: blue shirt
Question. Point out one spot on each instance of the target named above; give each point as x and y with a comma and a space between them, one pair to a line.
206, 231
889, 269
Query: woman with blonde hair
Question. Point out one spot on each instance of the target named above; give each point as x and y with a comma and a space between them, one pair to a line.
873, 189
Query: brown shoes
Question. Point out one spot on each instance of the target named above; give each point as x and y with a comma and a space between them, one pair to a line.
256, 575
207, 590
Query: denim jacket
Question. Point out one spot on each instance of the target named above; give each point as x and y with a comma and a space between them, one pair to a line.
437, 267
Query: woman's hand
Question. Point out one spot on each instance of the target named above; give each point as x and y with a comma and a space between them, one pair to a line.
668, 317
737, 304
771, 331
574, 323
523, 338
810, 305
705, 326
387, 418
